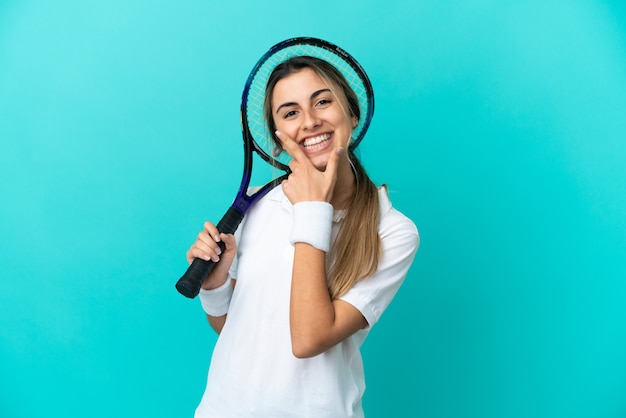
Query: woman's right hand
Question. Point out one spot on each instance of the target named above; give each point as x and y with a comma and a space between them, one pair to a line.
206, 248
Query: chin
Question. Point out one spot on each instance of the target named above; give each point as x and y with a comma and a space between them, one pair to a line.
318, 161
320, 167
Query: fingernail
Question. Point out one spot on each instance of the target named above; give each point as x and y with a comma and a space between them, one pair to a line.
217, 238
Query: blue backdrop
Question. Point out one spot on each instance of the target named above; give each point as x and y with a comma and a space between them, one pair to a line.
500, 129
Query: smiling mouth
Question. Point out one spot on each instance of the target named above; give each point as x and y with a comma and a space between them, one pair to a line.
316, 142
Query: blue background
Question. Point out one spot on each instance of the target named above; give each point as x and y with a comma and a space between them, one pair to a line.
500, 129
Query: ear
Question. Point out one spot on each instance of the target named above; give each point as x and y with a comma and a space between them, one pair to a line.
277, 150
355, 122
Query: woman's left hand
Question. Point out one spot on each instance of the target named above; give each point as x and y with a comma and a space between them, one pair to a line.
306, 182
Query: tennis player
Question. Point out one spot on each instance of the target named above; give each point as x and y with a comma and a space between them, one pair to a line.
310, 270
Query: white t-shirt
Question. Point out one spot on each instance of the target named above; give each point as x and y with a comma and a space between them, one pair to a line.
253, 372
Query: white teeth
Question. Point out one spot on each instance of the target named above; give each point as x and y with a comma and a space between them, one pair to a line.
317, 140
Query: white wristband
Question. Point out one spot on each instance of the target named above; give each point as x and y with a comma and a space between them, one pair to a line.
312, 223
215, 302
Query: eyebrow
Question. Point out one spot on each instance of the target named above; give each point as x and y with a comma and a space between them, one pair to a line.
313, 96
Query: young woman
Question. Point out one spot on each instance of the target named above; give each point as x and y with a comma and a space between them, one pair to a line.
315, 263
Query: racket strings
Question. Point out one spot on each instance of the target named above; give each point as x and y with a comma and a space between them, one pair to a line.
255, 100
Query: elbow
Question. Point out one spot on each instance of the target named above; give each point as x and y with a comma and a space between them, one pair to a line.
304, 353
304, 348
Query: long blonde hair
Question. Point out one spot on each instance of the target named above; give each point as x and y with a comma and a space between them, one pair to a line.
357, 249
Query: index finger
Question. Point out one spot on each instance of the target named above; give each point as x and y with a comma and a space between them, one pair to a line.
211, 229
291, 147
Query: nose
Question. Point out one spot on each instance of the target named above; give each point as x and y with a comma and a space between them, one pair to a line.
310, 121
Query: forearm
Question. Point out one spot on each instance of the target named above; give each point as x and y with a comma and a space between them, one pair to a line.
311, 309
317, 322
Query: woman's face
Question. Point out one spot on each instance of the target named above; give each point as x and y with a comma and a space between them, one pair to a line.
304, 108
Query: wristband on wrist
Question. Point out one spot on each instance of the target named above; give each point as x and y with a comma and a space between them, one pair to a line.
215, 302
312, 224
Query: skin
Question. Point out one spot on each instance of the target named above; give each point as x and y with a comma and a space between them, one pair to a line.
304, 111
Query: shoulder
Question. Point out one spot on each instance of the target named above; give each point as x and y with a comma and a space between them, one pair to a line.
274, 205
394, 223
275, 195
273, 199
400, 241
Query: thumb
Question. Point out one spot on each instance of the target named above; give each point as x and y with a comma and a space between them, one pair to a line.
333, 161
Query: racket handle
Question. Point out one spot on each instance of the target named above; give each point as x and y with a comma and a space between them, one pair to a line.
190, 283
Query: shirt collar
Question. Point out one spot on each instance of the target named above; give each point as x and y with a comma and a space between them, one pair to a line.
278, 195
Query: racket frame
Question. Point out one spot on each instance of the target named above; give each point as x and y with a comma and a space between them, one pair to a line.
190, 283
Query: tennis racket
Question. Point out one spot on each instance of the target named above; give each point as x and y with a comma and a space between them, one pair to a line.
257, 138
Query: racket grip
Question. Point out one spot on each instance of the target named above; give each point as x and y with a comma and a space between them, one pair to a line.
190, 283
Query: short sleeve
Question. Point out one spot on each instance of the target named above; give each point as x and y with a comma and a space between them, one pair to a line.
400, 241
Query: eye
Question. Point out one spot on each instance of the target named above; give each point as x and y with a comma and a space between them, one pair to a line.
323, 102
289, 114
